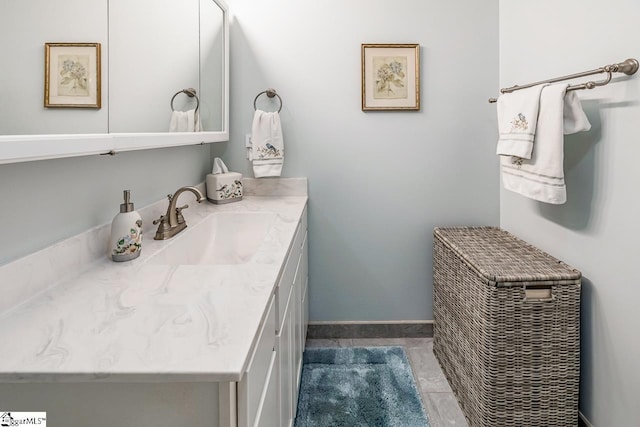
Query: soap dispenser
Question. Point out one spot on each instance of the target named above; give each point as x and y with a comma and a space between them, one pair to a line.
125, 243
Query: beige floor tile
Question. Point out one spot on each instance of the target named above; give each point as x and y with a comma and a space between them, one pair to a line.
443, 410
418, 342
427, 371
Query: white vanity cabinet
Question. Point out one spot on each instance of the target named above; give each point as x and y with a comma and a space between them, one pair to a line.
192, 373
268, 392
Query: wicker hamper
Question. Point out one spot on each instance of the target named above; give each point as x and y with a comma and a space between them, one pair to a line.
507, 328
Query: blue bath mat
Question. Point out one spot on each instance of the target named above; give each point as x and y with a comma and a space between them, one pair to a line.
358, 387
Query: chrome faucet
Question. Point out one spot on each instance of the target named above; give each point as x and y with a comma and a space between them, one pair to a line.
173, 222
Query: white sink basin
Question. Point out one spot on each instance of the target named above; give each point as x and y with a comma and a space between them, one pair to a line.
221, 239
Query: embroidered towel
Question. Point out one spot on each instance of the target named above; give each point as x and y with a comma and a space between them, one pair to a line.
517, 120
542, 177
185, 121
267, 149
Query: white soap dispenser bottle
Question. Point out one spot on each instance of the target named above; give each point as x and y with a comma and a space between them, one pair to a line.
125, 243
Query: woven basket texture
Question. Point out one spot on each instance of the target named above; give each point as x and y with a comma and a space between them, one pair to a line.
510, 362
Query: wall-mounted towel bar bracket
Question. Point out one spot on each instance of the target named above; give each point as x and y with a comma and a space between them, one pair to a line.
270, 92
628, 67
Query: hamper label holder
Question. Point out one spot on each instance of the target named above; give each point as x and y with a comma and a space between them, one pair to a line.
538, 294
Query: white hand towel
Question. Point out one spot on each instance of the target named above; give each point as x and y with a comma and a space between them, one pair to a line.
542, 177
185, 121
267, 149
574, 119
517, 120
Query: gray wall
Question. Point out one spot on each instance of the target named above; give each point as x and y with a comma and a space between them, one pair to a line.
596, 230
50, 200
379, 181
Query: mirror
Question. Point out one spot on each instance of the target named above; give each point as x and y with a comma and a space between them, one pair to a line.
151, 50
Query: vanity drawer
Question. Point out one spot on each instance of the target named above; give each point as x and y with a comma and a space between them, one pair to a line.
304, 263
255, 380
304, 220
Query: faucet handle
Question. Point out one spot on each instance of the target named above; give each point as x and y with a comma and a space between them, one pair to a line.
179, 214
163, 228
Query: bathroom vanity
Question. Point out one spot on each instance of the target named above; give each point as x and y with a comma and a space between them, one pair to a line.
205, 329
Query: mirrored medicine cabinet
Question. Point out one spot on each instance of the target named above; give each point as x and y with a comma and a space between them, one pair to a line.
150, 51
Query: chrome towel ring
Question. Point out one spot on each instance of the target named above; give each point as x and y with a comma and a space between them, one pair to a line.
191, 93
270, 93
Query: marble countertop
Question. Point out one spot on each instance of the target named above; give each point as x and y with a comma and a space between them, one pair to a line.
144, 322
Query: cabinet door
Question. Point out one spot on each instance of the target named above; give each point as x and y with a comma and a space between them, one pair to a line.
305, 289
305, 312
285, 346
268, 412
300, 329
298, 345
304, 268
252, 387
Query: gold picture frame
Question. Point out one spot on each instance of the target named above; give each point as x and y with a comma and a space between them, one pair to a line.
72, 75
390, 77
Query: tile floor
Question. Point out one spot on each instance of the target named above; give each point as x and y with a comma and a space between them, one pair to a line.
439, 402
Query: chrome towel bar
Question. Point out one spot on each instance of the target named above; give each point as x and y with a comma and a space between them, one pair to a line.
628, 67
